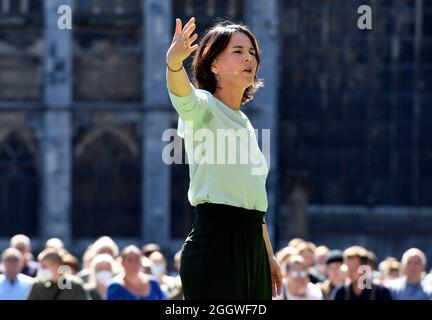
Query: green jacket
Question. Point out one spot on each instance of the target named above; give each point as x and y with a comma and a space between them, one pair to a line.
71, 288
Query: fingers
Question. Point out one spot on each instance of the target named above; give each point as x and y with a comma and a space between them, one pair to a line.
279, 284
193, 48
187, 32
276, 282
191, 40
187, 25
178, 27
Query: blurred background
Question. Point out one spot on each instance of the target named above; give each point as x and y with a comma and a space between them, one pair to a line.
82, 113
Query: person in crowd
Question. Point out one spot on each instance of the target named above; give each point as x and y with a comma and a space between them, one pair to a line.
84, 273
159, 270
293, 243
103, 269
132, 283
71, 261
23, 244
307, 251
359, 285
13, 284
282, 257
54, 243
54, 282
389, 269
336, 272
177, 293
103, 244
176, 270
149, 248
320, 266
427, 282
147, 265
107, 245
296, 283
410, 286
372, 262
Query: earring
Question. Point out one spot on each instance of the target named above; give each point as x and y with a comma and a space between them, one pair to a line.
216, 76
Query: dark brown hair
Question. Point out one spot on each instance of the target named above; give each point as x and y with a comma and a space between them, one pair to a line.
215, 41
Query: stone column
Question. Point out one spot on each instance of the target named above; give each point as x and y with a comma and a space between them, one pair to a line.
157, 34
262, 17
56, 137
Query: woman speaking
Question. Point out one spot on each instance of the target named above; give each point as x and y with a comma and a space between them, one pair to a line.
227, 254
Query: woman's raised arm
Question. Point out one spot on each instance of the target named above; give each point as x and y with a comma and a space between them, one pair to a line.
181, 47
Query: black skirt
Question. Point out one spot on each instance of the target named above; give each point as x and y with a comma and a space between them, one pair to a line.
224, 255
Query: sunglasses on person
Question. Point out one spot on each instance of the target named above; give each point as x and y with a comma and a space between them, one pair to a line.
298, 274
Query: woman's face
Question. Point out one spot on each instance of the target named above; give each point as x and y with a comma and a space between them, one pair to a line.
132, 263
414, 266
237, 64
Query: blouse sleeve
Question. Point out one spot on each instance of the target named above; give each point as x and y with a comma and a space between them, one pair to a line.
193, 107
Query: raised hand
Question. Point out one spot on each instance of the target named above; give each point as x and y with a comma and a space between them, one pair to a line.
181, 45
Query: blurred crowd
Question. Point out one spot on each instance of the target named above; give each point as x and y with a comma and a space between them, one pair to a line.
106, 273
319, 273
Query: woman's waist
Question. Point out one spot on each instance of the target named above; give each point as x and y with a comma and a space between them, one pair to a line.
242, 198
215, 213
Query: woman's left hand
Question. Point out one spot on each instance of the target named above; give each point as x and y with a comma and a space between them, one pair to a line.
276, 277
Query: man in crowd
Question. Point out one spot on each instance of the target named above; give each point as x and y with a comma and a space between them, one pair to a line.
13, 284
335, 272
411, 286
54, 282
359, 285
23, 244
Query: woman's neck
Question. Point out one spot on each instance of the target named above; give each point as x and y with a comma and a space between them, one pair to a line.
131, 277
232, 98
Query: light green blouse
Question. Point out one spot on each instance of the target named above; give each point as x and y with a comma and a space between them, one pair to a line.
226, 165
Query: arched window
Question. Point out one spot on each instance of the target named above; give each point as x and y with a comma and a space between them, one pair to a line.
106, 186
19, 187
